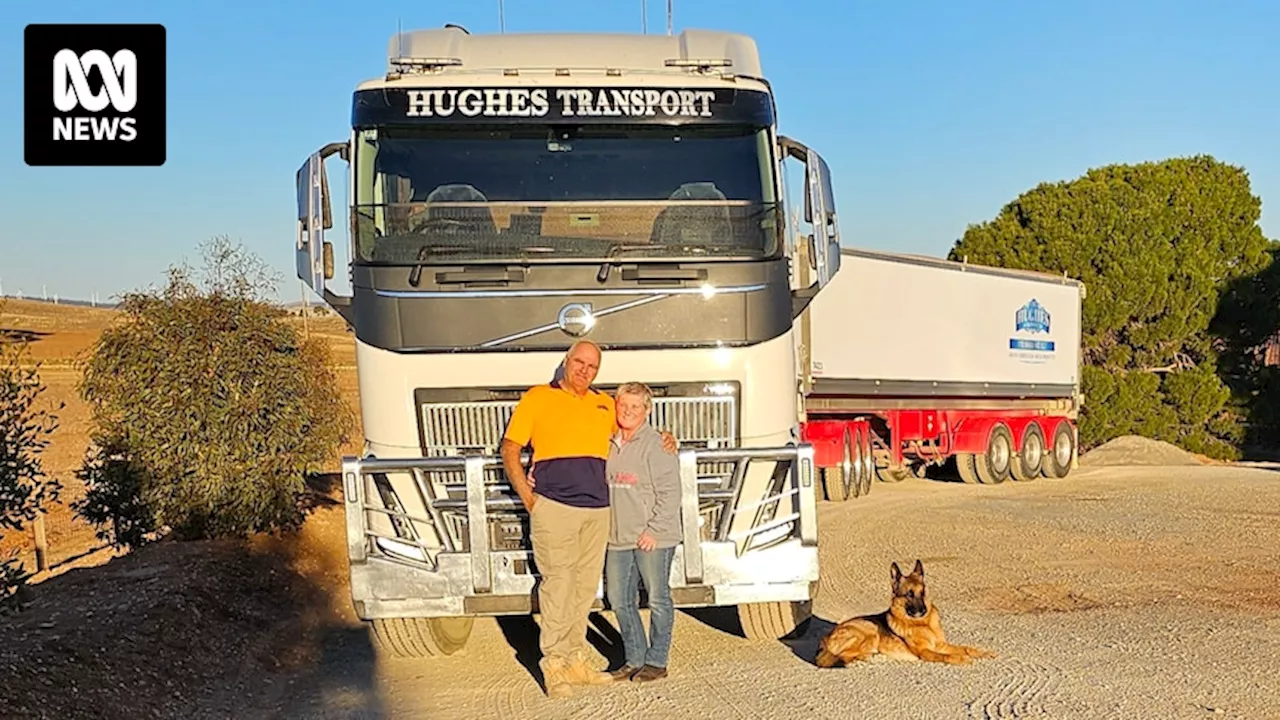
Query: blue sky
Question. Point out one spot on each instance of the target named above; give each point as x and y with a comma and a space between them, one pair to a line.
931, 114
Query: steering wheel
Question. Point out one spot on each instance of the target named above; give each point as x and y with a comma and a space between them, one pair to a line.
439, 225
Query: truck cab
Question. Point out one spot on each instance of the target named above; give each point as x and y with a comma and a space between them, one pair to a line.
512, 193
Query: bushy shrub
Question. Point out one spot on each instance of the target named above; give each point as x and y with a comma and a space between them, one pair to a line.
209, 408
25, 428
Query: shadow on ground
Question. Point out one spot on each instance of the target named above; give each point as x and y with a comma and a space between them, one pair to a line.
16, 336
804, 644
723, 619
522, 633
196, 629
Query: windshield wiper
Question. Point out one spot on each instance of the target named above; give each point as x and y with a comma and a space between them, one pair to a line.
415, 275
611, 258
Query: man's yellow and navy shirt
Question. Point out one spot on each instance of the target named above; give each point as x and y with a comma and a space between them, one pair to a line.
570, 437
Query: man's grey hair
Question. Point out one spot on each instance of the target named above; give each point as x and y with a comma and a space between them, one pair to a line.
636, 388
558, 375
579, 343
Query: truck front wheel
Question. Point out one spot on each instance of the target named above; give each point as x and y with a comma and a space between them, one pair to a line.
835, 484
773, 620
421, 637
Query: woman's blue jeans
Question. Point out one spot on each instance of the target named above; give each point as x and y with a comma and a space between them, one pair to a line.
624, 570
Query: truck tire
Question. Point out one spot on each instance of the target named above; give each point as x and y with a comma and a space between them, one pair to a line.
841, 481
834, 485
966, 465
868, 461
993, 465
1057, 462
421, 637
773, 620
1029, 459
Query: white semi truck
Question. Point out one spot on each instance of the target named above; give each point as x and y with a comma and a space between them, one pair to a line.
511, 193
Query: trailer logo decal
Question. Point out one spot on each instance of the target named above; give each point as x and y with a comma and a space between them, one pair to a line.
1030, 319
560, 102
576, 319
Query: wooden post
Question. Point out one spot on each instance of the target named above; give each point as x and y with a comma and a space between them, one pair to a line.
42, 543
306, 311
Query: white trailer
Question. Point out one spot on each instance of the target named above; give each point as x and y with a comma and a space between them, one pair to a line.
914, 360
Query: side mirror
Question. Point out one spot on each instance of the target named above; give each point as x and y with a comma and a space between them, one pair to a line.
314, 256
823, 239
826, 231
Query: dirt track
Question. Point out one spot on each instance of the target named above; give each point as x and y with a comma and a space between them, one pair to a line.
1118, 593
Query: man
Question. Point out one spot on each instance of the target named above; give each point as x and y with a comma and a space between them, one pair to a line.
570, 426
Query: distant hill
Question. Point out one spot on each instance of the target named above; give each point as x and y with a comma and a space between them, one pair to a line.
295, 306
62, 301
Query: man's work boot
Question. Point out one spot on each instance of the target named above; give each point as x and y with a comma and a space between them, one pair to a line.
555, 675
624, 673
649, 673
580, 673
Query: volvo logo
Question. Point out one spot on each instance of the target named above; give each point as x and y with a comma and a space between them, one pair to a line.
576, 319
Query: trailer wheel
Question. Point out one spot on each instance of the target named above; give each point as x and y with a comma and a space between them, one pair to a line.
421, 637
774, 620
853, 451
1057, 462
966, 465
1028, 460
868, 461
993, 465
841, 480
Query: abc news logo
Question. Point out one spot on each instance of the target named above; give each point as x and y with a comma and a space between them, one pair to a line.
71, 91
95, 95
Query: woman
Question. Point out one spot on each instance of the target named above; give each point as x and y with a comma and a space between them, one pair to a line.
644, 501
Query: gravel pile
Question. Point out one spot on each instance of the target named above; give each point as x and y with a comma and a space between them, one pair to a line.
1129, 450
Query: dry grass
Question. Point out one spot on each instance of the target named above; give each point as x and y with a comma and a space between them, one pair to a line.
62, 336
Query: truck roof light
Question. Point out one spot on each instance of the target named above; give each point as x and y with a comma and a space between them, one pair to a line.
698, 62
424, 63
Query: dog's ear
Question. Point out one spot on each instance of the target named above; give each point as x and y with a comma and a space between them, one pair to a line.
918, 569
895, 573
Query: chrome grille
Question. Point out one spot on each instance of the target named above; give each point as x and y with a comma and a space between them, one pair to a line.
463, 428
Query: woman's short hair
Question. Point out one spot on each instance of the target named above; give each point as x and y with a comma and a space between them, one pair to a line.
636, 388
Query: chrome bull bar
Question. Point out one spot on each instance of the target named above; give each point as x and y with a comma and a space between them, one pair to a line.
451, 529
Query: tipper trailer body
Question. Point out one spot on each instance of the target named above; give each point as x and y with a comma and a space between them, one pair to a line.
914, 361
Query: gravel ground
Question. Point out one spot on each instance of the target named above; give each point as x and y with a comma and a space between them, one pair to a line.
1139, 592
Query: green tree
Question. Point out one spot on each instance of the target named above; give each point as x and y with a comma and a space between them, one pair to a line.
1248, 317
1157, 245
25, 429
209, 408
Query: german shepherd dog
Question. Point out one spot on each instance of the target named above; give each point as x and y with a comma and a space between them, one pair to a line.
911, 629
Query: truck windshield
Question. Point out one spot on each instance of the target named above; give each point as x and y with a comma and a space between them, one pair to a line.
451, 194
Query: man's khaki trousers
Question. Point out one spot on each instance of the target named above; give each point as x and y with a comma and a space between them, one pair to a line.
568, 548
